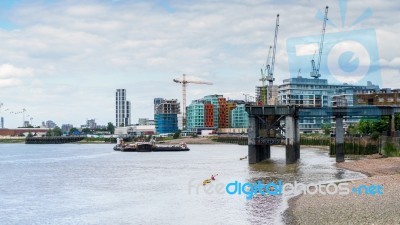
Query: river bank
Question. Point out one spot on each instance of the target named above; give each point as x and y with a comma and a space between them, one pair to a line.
353, 208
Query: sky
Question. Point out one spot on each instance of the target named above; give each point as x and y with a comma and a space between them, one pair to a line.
63, 60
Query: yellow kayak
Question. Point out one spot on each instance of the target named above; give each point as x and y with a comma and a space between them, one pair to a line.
206, 181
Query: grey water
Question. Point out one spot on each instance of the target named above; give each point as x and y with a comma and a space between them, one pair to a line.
92, 184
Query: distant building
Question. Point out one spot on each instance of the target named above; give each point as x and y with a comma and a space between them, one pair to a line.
311, 92
143, 121
215, 112
382, 97
240, 118
2, 122
26, 124
91, 124
263, 93
49, 124
66, 128
24, 131
195, 115
135, 131
215, 100
122, 109
180, 122
166, 115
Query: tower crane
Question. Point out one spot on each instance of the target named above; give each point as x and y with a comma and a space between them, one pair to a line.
268, 73
315, 69
264, 72
184, 83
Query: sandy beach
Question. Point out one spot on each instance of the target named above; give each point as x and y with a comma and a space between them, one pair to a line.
354, 208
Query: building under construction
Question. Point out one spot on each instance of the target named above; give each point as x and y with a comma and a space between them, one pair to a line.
267, 95
166, 115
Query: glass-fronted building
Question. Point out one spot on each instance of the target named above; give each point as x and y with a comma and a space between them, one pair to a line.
311, 92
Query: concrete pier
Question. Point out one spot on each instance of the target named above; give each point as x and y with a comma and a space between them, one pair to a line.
253, 133
392, 125
292, 140
257, 152
339, 139
265, 128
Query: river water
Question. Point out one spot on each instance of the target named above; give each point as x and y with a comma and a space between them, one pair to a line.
92, 184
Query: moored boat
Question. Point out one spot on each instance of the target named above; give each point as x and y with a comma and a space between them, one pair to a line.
144, 146
173, 148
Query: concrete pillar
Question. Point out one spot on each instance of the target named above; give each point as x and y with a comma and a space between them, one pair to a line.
297, 139
392, 125
252, 134
339, 139
291, 143
267, 151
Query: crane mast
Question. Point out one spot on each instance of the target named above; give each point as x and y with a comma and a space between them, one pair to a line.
184, 83
264, 73
270, 68
315, 68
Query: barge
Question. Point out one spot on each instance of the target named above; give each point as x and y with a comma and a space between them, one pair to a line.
150, 147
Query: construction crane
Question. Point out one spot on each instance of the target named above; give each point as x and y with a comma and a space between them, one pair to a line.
184, 83
315, 69
264, 72
268, 73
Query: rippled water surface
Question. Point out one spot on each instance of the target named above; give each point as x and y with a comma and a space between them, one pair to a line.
92, 184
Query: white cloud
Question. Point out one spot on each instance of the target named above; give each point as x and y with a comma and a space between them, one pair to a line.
11, 75
94, 47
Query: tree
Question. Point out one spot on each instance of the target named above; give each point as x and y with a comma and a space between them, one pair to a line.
177, 134
57, 131
397, 121
326, 127
366, 126
86, 130
54, 132
73, 130
110, 128
352, 130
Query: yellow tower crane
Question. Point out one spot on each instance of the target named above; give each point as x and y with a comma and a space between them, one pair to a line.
184, 82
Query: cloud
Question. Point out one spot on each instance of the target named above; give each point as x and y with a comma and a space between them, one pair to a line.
92, 48
11, 76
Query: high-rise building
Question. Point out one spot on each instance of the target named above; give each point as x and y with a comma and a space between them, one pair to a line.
49, 124
202, 115
2, 122
267, 95
208, 115
122, 109
91, 124
240, 118
166, 115
195, 115
66, 127
213, 99
223, 121
311, 92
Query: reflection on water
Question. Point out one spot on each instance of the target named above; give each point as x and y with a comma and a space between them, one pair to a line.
314, 166
92, 184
